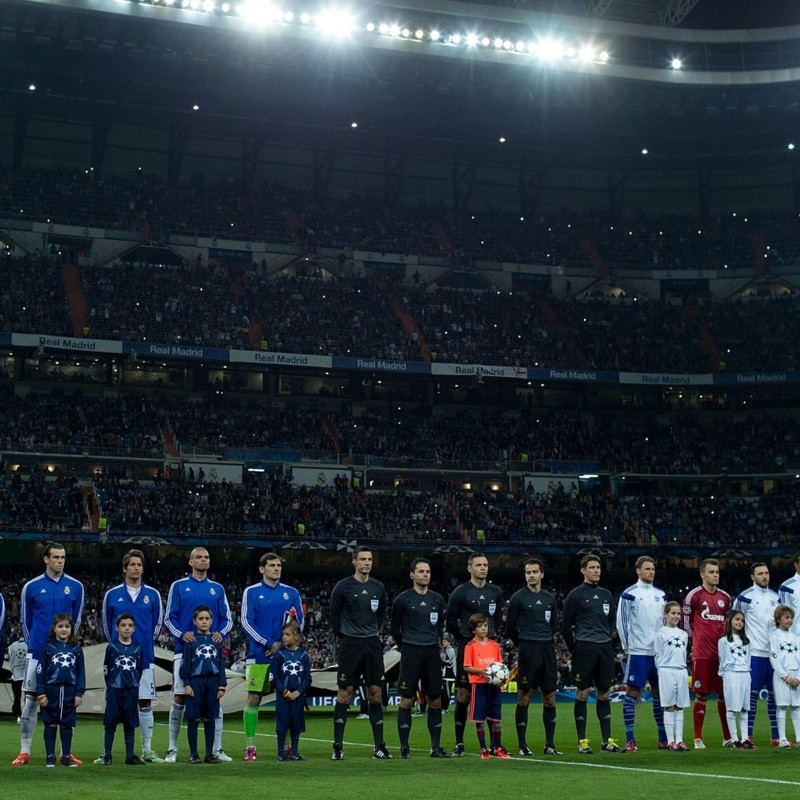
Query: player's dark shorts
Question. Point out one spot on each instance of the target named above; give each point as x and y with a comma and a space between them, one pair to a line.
706, 678
485, 703
420, 665
122, 706
462, 679
360, 661
537, 667
60, 708
593, 665
760, 673
204, 704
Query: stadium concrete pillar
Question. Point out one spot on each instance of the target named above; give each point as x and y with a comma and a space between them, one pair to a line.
617, 179
322, 167
100, 130
22, 119
394, 167
530, 186
178, 136
463, 180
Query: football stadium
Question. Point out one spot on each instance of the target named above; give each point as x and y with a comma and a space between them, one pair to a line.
400, 380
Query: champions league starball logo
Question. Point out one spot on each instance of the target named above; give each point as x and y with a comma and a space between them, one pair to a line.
293, 668
64, 659
206, 651
125, 663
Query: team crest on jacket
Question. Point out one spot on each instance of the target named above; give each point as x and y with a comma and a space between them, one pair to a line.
66, 590
492, 609
434, 617
286, 595
721, 603
374, 604
146, 600
212, 590
547, 615
606, 608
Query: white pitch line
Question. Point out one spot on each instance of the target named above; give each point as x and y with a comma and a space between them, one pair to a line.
557, 762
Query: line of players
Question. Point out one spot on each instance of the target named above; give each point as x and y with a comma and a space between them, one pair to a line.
358, 607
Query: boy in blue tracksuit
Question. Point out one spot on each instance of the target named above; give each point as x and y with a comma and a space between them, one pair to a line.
292, 676
203, 673
122, 668
60, 686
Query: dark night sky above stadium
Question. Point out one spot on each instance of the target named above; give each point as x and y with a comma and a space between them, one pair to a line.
743, 14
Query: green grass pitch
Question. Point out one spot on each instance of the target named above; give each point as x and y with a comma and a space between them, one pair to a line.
709, 774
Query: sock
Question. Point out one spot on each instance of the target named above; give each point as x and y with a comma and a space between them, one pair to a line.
658, 716
27, 724
497, 734
780, 719
403, 725
521, 721
129, 734
280, 735
669, 726
604, 715
49, 740
479, 729
580, 718
250, 720
771, 714
295, 743
731, 720
628, 715
175, 722
795, 722
723, 718
66, 740
146, 723
460, 719
218, 731
108, 741
376, 722
742, 717
751, 714
212, 728
339, 721
435, 726
699, 717
678, 725
191, 735
549, 722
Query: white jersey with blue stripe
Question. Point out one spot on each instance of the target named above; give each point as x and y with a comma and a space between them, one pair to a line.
147, 611
184, 597
758, 606
640, 615
42, 598
789, 595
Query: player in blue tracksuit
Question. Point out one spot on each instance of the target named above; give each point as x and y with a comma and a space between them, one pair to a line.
203, 674
292, 677
122, 667
185, 595
42, 598
266, 607
60, 685
143, 603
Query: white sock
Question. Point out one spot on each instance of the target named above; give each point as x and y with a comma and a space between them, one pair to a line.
742, 724
175, 722
27, 724
146, 723
218, 731
795, 722
780, 721
731, 716
669, 725
678, 725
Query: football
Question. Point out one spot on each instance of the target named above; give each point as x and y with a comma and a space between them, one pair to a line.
497, 673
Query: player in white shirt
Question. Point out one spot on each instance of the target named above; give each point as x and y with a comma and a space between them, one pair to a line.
734, 669
785, 658
670, 648
758, 604
789, 593
640, 615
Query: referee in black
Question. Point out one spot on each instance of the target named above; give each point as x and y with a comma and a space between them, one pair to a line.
476, 596
531, 623
358, 608
417, 628
588, 627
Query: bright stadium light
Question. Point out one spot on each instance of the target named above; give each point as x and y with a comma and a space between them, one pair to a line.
472, 39
676, 63
549, 49
587, 54
335, 22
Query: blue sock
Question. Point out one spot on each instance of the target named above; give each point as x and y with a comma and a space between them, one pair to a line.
629, 715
